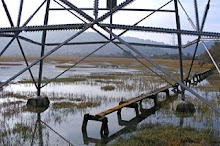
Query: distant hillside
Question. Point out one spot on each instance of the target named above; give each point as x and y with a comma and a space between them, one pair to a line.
215, 51
201, 49
81, 50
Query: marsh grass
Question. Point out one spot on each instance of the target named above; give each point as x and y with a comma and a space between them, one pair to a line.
63, 104
126, 62
68, 104
69, 80
212, 85
58, 80
67, 98
146, 135
24, 130
62, 66
108, 82
13, 103
75, 99
108, 88
168, 135
68, 66
10, 64
15, 95
88, 104
101, 76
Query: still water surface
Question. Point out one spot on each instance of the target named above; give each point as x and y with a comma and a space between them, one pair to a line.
62, 126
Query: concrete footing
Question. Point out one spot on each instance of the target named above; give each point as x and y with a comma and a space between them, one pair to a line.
183, 106
38, 110
38, 102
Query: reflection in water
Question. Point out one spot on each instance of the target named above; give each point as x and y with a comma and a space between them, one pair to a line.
21, 126
130, 125
38, 128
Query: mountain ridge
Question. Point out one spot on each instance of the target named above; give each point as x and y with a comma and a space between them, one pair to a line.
82, 50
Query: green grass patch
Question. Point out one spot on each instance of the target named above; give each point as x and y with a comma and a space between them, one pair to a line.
108, 88
168, 135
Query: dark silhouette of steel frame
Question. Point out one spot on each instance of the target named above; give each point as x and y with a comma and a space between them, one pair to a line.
14, 31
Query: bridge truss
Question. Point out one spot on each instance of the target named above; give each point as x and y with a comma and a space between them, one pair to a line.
101, 22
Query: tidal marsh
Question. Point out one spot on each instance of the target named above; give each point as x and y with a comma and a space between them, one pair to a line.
80, 91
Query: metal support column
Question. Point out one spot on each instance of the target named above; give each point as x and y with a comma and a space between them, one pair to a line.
20, 12
43, 49
111, 20
179, 46
198, 29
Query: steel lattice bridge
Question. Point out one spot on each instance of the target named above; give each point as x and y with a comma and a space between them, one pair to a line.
101, 20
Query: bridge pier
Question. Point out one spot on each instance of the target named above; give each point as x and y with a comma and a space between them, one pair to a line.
176, 88
167, 92
104, 128
187, 82
133, 105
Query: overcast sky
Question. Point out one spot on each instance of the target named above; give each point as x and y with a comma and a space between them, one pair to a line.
166, 20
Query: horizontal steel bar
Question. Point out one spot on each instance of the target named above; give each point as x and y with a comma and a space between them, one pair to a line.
105, 9
7, 35
42, 28
161, 30
102, 42
29, 40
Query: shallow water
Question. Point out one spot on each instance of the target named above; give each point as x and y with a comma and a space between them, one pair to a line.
20, 126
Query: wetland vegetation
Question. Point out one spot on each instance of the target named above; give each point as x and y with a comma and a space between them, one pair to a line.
99, 84
153, 134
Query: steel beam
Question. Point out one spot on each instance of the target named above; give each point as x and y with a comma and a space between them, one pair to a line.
44, 35
179, 37
124, 9
161, 30
42, 28
26, 62
7, 13
196, 15
20, 12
